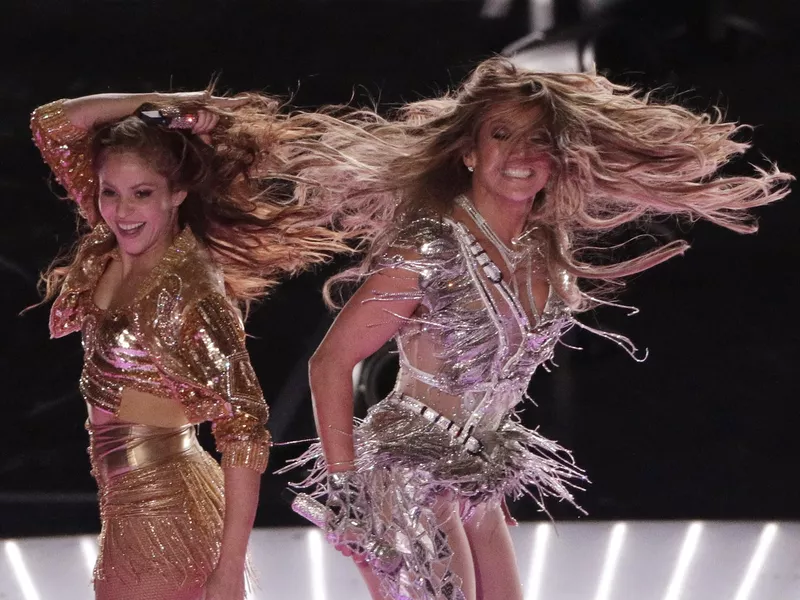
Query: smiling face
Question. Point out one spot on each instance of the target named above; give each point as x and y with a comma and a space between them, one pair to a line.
137, 203
511, 157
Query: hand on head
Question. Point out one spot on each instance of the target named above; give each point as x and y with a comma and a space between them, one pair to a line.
208, 120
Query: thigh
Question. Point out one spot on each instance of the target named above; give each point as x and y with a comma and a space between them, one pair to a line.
495, 564
162, 529
445, 516
373, 582
448, 519
148, 588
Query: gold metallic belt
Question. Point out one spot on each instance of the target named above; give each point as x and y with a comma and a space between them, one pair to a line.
118, 448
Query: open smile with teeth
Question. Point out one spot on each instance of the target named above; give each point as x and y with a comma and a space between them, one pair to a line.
130, 227
518, 173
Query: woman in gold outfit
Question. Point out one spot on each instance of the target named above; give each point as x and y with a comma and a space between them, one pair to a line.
187, 224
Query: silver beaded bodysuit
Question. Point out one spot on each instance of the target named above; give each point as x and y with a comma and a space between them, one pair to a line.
470, 340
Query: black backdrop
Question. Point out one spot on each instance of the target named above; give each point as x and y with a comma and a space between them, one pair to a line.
705, 428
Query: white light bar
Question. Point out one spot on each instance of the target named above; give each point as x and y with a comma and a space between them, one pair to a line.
568, 56
542, 14
356, 375
495, 9
21, 571
685, 557
316, 561
89, 550
757, 561
610, 563
535, 576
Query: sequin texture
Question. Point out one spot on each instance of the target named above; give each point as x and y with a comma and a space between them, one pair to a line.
65, 148
161, 508
470, 340
180, 339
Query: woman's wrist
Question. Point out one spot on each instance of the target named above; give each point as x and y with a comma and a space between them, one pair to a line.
167, 98
341, 466
88, 111
231, 561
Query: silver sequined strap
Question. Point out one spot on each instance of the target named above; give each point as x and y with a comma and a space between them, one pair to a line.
431, 379
492, 272
463, 435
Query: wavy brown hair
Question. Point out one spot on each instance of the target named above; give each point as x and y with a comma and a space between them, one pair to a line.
619, 157
239, 201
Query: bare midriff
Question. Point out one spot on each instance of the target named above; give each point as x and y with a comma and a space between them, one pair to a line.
142, 408
445, 404
421, 354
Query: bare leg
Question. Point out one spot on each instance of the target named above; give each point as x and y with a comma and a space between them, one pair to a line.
373, 583
461, 563
495, 567
150, 591
447, 516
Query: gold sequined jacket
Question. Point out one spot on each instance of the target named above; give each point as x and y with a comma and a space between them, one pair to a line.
65, 148
180, 337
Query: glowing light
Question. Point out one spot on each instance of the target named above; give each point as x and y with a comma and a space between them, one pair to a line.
757, 561
21, 574
541, 538
89, 551
316, 560
688, 548
495, 9
542, 14
561, 56
357, 376
613, 551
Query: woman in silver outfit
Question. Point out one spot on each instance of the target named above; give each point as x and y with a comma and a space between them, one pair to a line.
477, 210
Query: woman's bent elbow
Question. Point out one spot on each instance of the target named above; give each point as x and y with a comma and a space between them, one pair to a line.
321, 361
324, 365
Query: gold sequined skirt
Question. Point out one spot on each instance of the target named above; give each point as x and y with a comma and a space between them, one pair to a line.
161, 508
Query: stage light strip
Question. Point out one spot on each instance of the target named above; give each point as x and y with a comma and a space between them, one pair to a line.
495, 9
613, 551
542, 14
316, 560
21, 571
535, 576
89, 550
688, 548
757, 561
356, 375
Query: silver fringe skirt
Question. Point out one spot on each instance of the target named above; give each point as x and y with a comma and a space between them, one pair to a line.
409, 455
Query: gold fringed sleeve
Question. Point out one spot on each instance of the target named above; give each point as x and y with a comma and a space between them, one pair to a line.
65, 149
215, 353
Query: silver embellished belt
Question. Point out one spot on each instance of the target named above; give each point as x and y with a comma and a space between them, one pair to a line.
462, 435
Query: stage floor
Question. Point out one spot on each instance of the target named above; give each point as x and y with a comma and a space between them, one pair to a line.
572, 561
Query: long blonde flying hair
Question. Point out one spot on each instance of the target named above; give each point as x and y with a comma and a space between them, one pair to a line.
619, 157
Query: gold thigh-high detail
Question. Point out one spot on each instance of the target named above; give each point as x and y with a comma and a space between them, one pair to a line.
161, 507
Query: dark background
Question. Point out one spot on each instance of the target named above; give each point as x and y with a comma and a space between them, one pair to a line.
705, 428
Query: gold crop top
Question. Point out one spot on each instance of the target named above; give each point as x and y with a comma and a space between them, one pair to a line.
180, 337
